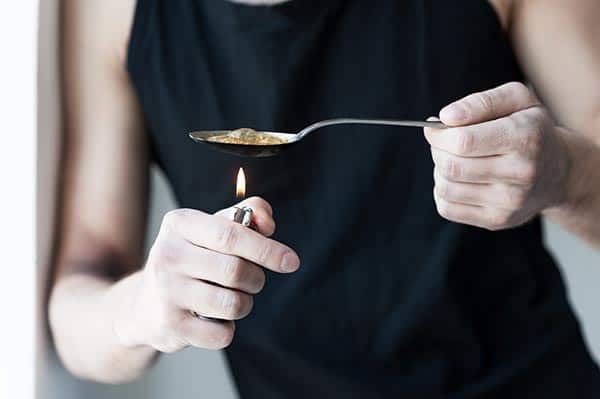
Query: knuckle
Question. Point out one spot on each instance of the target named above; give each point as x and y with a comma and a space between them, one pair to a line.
465, 142
535, 115
436, 155
270, 228
260, 202
234, 270
261, 281
227, 236
534, 139
511, 124
265, 253
485, 100
530, 132
452, 168
514, 197
163, 255
169, 219
541, 115
520, 121
444, 209
443, 188
497, 220
223, 336
233, 304
248, 305
519, 89
526, 173
172, 219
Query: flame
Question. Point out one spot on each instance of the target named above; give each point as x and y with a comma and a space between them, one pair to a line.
240, 188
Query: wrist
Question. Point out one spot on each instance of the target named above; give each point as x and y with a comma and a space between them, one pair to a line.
121, 299
574, 190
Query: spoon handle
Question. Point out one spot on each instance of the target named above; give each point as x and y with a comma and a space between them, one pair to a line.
385, 122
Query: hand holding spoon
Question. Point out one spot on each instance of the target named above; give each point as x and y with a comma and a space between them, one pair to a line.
254, 144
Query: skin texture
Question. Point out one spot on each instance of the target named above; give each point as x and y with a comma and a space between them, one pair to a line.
506, 159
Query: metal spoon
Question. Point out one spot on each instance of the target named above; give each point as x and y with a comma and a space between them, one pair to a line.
261, 151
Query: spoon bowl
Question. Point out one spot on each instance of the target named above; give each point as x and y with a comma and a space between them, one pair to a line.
245, 150
286, 140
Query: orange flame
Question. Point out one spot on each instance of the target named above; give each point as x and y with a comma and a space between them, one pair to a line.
240, 188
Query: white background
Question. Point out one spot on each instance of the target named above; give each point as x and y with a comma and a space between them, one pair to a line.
18, 35
29, 147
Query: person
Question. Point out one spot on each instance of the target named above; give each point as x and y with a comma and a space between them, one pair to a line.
412, 284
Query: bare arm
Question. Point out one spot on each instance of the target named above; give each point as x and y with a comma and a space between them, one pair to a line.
104, 190
110, 312
558, 44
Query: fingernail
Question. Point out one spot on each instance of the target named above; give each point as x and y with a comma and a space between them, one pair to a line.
453, 113
290, 262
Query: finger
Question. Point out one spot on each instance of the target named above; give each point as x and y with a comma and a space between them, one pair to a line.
496, 137
225, 270
493, 169
205, 334
262, 216
258, 202
227, 237
460, 193
500, 196
488, 105
210, 300
487, 218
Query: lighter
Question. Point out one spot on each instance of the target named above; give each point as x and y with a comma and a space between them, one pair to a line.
243, 216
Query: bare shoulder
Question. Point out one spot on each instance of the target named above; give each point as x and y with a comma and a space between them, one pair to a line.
504, 9
103, 24
557, 44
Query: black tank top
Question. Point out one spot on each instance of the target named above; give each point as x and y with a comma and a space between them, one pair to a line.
391, 300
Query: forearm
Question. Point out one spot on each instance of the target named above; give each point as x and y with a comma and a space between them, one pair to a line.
83, 309
579, 212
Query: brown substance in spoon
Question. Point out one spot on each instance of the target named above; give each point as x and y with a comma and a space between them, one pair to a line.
246, 136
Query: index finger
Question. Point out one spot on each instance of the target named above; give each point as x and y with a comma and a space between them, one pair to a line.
484, 139
227, 237
489, 105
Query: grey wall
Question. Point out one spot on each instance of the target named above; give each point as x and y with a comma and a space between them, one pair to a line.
580, 265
